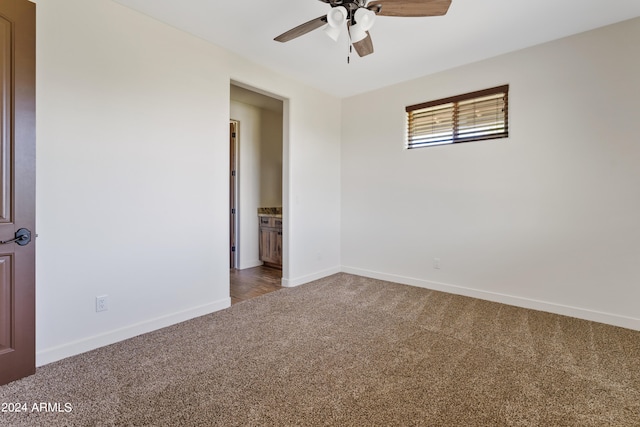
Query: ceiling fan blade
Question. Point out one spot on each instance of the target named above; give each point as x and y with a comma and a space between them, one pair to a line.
302, 29
365, 46
410, 7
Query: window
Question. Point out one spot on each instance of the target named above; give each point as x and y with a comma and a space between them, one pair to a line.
473, 116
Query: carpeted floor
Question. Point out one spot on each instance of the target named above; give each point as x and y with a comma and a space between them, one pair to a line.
349, 351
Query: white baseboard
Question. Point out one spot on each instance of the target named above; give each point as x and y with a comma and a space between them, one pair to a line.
577, 312
63, 351
290, 283
250, 264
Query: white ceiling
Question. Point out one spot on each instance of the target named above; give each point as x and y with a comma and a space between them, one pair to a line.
405, 48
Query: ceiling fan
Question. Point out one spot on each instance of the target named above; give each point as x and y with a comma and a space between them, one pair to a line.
359, 16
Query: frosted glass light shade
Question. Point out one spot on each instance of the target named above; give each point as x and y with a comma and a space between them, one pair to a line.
365, 19
336, 19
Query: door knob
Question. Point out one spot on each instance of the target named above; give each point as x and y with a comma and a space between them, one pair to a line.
23, 237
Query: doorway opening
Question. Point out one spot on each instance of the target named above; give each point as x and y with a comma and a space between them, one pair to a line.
256, 192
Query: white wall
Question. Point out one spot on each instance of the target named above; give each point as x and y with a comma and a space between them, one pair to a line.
132, 165
544, 219
271, 159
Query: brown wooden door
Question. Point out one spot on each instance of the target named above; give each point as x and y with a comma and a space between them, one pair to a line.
17, 188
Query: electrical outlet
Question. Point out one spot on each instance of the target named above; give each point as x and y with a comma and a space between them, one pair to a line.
436, 263
102, 303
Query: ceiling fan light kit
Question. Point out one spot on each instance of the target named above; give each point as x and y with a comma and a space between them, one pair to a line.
360, 15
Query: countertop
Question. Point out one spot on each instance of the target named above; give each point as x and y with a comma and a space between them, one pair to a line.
275, 212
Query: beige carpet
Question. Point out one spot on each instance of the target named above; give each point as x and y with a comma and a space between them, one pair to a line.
349, 351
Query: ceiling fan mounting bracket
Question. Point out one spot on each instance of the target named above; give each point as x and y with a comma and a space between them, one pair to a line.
350, 5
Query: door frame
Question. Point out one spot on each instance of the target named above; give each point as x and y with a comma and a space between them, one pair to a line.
234, 127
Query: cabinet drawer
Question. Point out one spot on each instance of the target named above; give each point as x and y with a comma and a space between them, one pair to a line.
271, 222
265, 221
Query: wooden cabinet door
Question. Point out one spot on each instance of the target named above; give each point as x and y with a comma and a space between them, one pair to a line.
277, 247
271, 245
17, 189
263, 236
267, 245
